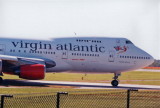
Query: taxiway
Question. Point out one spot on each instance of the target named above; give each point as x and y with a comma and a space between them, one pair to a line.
78, 85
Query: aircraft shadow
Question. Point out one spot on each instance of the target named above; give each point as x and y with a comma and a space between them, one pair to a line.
21, 83
9, 82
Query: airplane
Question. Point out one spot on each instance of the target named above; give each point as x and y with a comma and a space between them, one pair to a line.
32, 59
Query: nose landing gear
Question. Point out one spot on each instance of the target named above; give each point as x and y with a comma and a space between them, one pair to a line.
115, 82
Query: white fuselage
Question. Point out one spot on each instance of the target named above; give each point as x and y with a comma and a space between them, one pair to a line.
94, 55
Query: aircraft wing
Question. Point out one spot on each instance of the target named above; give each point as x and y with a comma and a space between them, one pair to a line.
24, 60
9, 58
7, 62
27, 68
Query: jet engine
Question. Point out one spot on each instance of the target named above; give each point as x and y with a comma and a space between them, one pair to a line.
32, 71
26, 68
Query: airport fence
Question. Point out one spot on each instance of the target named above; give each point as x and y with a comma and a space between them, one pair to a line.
86, 99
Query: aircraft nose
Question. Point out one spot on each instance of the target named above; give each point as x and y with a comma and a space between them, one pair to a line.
151, 59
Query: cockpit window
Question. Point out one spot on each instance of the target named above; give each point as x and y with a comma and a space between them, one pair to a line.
128, 42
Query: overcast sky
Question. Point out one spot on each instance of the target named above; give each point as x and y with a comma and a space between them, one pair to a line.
137, 20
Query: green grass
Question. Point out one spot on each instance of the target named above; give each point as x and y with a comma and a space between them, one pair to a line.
27, 90
134, 77
35, 90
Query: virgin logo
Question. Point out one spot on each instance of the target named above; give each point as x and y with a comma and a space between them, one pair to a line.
121, 49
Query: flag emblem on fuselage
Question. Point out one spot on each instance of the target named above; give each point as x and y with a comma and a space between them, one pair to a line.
120, 49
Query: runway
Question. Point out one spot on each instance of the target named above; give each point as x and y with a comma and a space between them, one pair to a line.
76, 85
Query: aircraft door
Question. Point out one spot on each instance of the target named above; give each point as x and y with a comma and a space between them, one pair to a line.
65, 55
111, 56
2, 49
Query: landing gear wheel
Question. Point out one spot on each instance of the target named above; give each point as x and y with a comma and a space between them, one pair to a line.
114, 83
1, 80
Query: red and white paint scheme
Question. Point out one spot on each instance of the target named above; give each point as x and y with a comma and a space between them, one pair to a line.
31, 59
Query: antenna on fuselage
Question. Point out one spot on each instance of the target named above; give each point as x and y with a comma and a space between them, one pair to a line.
75, 33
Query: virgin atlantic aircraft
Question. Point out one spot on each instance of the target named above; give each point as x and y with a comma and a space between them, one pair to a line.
31, 59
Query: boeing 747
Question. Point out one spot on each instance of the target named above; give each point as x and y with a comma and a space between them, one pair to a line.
32, 59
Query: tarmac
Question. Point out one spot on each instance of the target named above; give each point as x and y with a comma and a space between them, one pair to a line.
76, 85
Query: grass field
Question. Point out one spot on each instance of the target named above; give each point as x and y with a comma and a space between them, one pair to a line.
134, 77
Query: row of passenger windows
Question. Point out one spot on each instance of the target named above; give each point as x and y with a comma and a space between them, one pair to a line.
39, 52
82, 54
42, 52
94, 41
134, 57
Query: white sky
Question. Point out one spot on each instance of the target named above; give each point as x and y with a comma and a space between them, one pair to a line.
137, 20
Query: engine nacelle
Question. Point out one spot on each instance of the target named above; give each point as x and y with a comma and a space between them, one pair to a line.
32, 71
